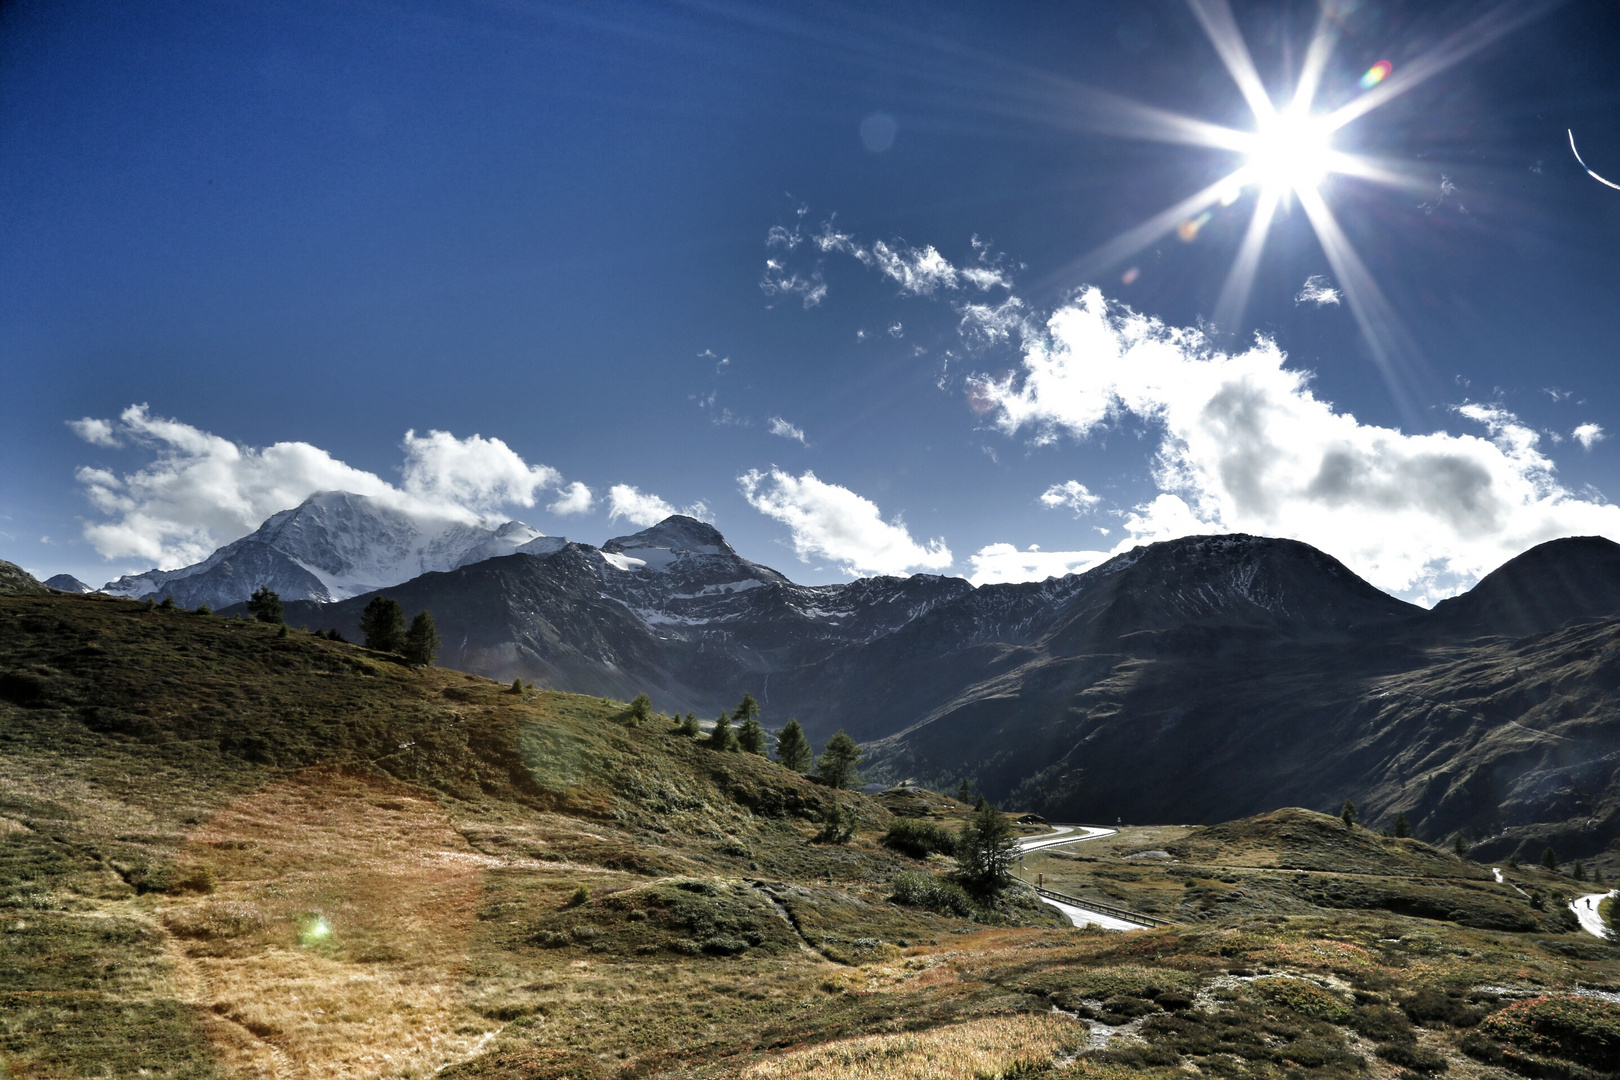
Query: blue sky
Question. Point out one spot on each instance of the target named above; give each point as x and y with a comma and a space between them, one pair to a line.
552, 225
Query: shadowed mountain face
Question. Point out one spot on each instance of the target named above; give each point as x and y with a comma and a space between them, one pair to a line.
1192, 680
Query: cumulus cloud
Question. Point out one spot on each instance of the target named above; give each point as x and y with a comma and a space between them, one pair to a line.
644, 508
1070, 493
1317, 291
1588, 435
576, 498
1245, 445
999, 563
201, 490
779, 426
95, 432
833, 522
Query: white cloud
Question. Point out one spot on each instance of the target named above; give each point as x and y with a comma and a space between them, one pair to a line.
1588, 435
95, 432
829, 521
201, 490
1246, 446
999, 563
1070, 493
919, 271
1317, 291
645, 508
779, 426
778, 281
476, 473
576, 498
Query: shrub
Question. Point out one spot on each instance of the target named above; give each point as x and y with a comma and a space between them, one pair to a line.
1305, 998
640, 708
1432, 1006
1580, 1029
920, 839
931, 893
581, 895
839, 828
1412, 1056
204, 609
517, 686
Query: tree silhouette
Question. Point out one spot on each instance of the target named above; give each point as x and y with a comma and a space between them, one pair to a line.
383, 624
265, 605
422, 641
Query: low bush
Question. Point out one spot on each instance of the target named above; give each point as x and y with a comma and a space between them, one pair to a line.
920, 839
932, 893
1409, 1055
1582, 1029
1305, 998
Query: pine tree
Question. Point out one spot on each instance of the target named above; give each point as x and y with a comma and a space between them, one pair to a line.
793, 749
1459, 846
964, 791
1402, 829
722, 737
689, 727
517, 686
1549, 860
265, 605
986, 850
1348, 814
747, 709
839, 828
383, 624
836, 766
641, 709
751, 737
422, 641
1579, 872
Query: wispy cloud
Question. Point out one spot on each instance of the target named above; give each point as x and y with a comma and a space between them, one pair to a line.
833, 522
779, 426
645, 508
777, 281
1316, 290
200, 490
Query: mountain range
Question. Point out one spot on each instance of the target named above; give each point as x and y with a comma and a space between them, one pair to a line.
1196, 680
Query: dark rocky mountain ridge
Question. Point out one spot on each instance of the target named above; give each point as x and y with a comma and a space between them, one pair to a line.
1192, 680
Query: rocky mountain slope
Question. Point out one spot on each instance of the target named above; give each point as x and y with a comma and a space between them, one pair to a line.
1195, 680
332, 545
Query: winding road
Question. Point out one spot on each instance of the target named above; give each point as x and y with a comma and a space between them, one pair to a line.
1586, 910
1074, 834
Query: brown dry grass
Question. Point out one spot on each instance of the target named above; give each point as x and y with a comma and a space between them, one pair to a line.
979, 1048
379, 994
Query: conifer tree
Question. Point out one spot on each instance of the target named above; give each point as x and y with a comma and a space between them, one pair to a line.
836, 766
383, 624
986, 849
1579, 872
689, 726
747, 709
793, 749
422, 641
1348, 814
722, 737
1459, 846
964, 791
751, 737
265, 605
1402, 828
641, 709
1549, 860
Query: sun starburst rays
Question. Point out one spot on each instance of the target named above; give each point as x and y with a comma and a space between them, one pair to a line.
1289, 155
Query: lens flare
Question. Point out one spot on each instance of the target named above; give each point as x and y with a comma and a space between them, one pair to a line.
1188, 230
1376, 74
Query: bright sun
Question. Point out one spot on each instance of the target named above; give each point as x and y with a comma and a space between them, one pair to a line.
1291, 152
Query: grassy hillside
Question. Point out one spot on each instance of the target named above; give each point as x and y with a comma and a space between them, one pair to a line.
230, 853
